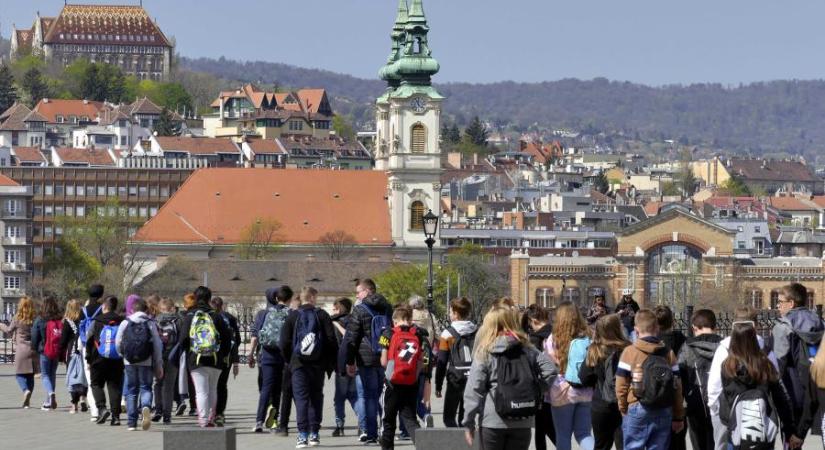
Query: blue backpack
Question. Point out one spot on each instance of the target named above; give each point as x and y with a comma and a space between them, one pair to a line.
306, 343
378, 324
86, 323
106, 344
575, 358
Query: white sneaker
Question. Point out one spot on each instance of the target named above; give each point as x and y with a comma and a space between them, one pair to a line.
146, 418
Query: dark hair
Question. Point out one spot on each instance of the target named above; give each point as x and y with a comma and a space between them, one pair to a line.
537, 313
367, 284
344, 304
216, 303
110, 303
139, 305
284, 294
462, 307
744, 354
704, 318
49, 310
797, 294
203, 294
96, 292
664, 317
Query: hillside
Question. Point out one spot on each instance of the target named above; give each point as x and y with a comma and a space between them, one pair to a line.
762, 117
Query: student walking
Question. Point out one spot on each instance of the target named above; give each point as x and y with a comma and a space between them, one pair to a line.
496, 391
25, 357
599, 372
139, 343
569, 398
674, 340
538, 324
105, 363
169, 325
266, 344
345, 386
230, 364
91, 309
455, 356
647, 389
310, 346
46, 332
814, 410
76, 381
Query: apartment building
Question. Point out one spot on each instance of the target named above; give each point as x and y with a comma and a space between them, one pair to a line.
16, 243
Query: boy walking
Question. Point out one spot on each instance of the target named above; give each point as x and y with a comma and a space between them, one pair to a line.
455, 356
168, 328
105, 363
695, 360
648, 389
139, 343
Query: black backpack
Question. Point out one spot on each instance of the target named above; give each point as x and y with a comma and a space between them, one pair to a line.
657, 387
137, 341
461, 357
801, 355
168, 331
608, 388
517, 395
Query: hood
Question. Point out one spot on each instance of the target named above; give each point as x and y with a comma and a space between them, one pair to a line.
105, 318
163, 317
339, 317
705, 345
139, 317
504, 343
647, 345
464, 327
376, 300
270, 296
130, 304
542, 333
806, 324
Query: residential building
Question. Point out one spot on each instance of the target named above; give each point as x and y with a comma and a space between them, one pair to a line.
539, 242
122, 35
82, 157
264, 153
184, 152
62, 117
332, 152
21, 126
28, 157
767, 176
795, 211
795, 241
753, 237
15, 220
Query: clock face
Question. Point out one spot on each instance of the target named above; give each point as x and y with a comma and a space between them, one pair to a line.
418, 104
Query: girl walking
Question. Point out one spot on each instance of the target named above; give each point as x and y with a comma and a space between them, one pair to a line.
46, 333
25, 358
69, 345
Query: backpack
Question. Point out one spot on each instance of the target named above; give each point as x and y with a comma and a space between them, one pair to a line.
657, 387
576, 354
306, 342
608, 388
801, 357
86, 323
137, 341
753, 422
106, 342
517, 395
270, 333
378, 324
461, 356
51, 344
404, 356
168, 331
75, 373
203, 336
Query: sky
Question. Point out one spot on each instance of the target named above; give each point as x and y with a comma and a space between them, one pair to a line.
654, 42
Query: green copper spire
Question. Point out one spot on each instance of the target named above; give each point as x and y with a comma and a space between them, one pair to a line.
416, 65
387, 73
401, 19
417, 10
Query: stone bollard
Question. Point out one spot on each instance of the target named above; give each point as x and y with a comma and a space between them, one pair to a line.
199, 438
443, 438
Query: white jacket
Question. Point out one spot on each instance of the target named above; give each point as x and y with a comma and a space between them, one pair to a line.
715, 375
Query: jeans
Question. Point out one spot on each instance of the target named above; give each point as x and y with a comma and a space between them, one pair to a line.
286, 398
308, 391
26, 382
573, 419
647, 428
345, 390
272, 376
138, 391
165, 390
223, 390
48, 373
205, 380
372, 381
505, 438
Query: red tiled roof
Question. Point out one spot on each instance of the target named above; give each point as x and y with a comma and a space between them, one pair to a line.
311, 99
105, 24
6, 181
50, 108
790, 204
12, 118
819, 200
265, 146
24, 39
307, 203
197, 146
28, 154
90, 156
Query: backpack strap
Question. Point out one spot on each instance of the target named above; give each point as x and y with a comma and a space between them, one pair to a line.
453, 332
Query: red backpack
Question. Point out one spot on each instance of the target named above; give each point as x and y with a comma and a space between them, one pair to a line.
404, 356
51, 347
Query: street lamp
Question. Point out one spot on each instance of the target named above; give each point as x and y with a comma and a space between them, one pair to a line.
430, 228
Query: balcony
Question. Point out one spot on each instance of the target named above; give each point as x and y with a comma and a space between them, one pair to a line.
12, 214
19, 240
13, 292
14, 267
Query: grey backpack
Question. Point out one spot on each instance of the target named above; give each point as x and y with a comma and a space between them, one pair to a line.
270, 333
753, 422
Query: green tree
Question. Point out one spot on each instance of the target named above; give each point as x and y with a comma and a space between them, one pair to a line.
34, 86
343, 127
166, 126
92, 87
172, 96
670, 188
482, 282
260, 239
735, 187
601, 184
8, 93
402, 281
476, 133
68, 271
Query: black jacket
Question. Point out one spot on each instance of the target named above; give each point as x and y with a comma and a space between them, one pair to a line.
68, 339
674, 340
627, 312
695, 358
111, 318
595, 377
537, 337
342, 320
223, 330
732, 387
812, 412
329, 349
359, 331
236, 338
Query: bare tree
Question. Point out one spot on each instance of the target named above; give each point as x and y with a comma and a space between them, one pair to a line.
338, 244
176, 277
260, 239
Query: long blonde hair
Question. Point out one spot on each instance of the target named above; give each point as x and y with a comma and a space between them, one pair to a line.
26, 311
498, 322
72, 313
569, 325
608, 337
818, 366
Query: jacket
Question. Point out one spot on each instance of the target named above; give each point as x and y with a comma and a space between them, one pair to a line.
561, 392
192, 360
69, 339
732, 387
482, 383
696, 358
595, 377
156, 358
627, 312
631, 360
811, 417
715, 375
799, 324
232, 322
329, 345
38, 334
359, 346
340, 323
445, 343
93, 334
674, 340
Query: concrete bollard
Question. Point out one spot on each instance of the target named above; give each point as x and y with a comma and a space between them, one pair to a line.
199, 438
443, 438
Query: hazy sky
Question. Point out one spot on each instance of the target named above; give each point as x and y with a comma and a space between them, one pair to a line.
648, 41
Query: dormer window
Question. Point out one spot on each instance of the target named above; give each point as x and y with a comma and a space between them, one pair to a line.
59, 119
72, 119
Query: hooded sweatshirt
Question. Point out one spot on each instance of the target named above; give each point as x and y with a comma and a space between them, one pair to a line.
805, 325
715, 375
482, 383
93, 334
359, 331
695, 360
632, 359
130, 304
445, 343
156, 358
273, 355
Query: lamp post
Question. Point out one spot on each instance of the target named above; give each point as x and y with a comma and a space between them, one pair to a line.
430, 229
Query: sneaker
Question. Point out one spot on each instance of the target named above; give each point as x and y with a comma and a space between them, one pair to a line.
302, 441
146, 418
84, 407
53, 402
27, 396
93, 419
181, 409
339, 431
271, 412
157, 416
281, 432
167, 421
115, 422
220, 421
46, 407
123, 404
370, 441
131, 429
193, 412
428, 421
258, 428
103, 417
362, 437
314, 440
73, 409
402, 437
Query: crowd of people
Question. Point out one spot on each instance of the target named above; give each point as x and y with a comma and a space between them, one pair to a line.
619, 376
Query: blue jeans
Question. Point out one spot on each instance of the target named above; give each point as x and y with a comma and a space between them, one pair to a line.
345, 390
138, 391
48, 373
573, 419
26, 382
372, 382
646, 428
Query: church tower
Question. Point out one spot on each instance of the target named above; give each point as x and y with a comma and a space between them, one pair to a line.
408, 124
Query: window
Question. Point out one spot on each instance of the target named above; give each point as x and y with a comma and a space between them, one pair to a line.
49, 210
418, 143
48, 189
11, 207
153, 211
132, 211
774, 299
143, 211
58, 189
12, 256
132, 191
12, 231
70, 190
417, 216
142, 191
573, 294
81, 211
58, 210
811, 299
81, 191
101, 191
60, 119
121, 190
296, 125
111, 191
164, 191
11, 282
545, 297
756, 299
757, 229
740, 245
153, 191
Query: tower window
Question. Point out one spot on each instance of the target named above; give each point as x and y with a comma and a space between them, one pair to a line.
419, 138
417, 216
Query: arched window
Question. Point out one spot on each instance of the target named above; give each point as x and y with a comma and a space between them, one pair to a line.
418, 143
417, 216
774, 299
573, 294
756, 299
546, 297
